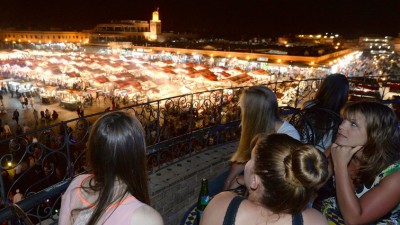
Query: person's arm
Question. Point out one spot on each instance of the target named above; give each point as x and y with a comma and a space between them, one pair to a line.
67, 201
234, 171
65, 210
374, 204
215, 211
146, 215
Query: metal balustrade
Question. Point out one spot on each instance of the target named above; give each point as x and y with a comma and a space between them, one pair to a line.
175, 128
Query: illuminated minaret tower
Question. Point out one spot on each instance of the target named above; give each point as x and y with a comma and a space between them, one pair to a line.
155, 26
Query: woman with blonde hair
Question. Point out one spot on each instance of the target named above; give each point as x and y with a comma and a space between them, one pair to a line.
282, 176
115, 191
259, 114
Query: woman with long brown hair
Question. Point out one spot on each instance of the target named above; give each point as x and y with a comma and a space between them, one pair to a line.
366, 165
115, 191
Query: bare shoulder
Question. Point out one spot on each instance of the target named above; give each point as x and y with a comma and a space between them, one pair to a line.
225, 196
216, 209
146, 215
313, 216
220, 201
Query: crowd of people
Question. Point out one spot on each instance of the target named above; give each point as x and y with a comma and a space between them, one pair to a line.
371, 65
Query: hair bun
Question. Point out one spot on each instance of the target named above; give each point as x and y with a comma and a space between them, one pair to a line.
306, 167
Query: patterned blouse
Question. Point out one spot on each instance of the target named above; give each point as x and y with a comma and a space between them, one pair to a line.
332, 212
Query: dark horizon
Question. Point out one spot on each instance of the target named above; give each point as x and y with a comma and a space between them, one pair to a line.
220, 18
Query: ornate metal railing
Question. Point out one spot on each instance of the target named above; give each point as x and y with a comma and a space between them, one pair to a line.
41, 163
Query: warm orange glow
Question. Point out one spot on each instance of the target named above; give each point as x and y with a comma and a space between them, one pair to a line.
279, 60
155, 16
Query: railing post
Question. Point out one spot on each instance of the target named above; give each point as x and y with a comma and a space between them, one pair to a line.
158, 121
297, 94
2, 190
68, 151
191, 122
219, 115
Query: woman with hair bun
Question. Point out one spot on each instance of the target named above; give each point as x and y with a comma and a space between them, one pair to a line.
282, 176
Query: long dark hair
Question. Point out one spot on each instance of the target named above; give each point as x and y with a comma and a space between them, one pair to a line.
322, 113
116, 150
332, 94
383, 143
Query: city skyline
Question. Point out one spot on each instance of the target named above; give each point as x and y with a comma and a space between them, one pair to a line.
234, 18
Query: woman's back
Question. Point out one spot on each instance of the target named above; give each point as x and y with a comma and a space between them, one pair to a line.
116, 192
250, 213
123, 211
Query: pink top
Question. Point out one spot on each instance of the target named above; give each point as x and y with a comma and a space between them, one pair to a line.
75, 199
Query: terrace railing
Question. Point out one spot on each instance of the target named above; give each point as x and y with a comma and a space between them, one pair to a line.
41, 163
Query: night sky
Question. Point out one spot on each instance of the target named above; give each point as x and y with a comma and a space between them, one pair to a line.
219, 17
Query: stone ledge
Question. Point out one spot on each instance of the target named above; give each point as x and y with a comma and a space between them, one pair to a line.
174, 189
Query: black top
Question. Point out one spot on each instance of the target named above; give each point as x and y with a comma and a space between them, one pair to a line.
230, 216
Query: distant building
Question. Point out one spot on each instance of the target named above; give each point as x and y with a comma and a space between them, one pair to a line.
311, 39
44, 37
124, 31
377, 44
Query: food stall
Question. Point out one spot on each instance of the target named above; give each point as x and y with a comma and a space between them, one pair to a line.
21, 87
48, 94
71, 101
70, 104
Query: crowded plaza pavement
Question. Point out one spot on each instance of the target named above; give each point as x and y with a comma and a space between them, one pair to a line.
26, 116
